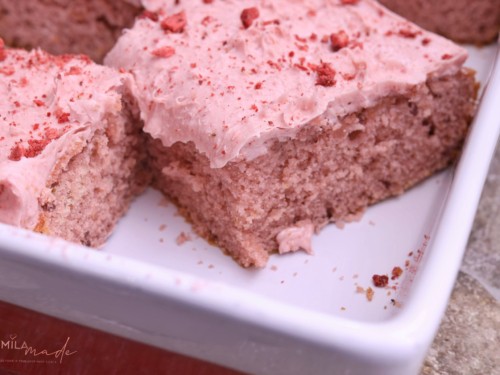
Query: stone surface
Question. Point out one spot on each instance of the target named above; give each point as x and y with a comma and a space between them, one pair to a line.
468, 341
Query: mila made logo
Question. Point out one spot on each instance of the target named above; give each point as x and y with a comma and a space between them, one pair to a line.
22, 347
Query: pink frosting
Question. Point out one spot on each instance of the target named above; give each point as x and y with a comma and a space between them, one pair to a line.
232, 80
49, 105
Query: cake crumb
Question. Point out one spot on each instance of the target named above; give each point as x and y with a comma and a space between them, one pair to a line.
162, 227
396, 272
343, 308
369, 294
395, 303
380, 281
273, 268
182, 238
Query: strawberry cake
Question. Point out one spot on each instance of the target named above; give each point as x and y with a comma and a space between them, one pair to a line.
90, 27
268, 119
72, 153
464, 21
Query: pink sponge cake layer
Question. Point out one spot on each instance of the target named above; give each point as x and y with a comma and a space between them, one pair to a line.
270, 118
66, 26
71, 152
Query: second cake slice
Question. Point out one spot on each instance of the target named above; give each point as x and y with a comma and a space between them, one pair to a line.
72, 152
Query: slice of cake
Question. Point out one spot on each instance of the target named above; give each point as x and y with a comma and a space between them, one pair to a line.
464, 21
72, 154
269, 119
66, 26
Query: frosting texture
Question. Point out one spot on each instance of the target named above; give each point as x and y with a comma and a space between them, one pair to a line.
232, 75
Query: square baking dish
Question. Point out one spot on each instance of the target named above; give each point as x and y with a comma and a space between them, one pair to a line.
158, 283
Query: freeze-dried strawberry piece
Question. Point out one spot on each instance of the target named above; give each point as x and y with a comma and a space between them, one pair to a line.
248, 16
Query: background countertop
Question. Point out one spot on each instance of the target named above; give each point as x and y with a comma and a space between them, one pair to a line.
468, 341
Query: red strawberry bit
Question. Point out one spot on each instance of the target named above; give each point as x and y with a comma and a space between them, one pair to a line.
7, 70
62, 117
300, 39
23, 82
248, 16
3, 54
206, 20
339, 40
36, 146
16, 152
311, 13
380, 281
425, 41
165, 51
446, 56
52, 134
271, 22
301, 67
74, 70
325, 74
208, 1
349, 2
407, 33
174, 23
38, 102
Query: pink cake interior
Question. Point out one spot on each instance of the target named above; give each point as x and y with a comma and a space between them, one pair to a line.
72, 153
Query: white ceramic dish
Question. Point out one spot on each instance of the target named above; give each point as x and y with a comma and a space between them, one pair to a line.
302, 314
